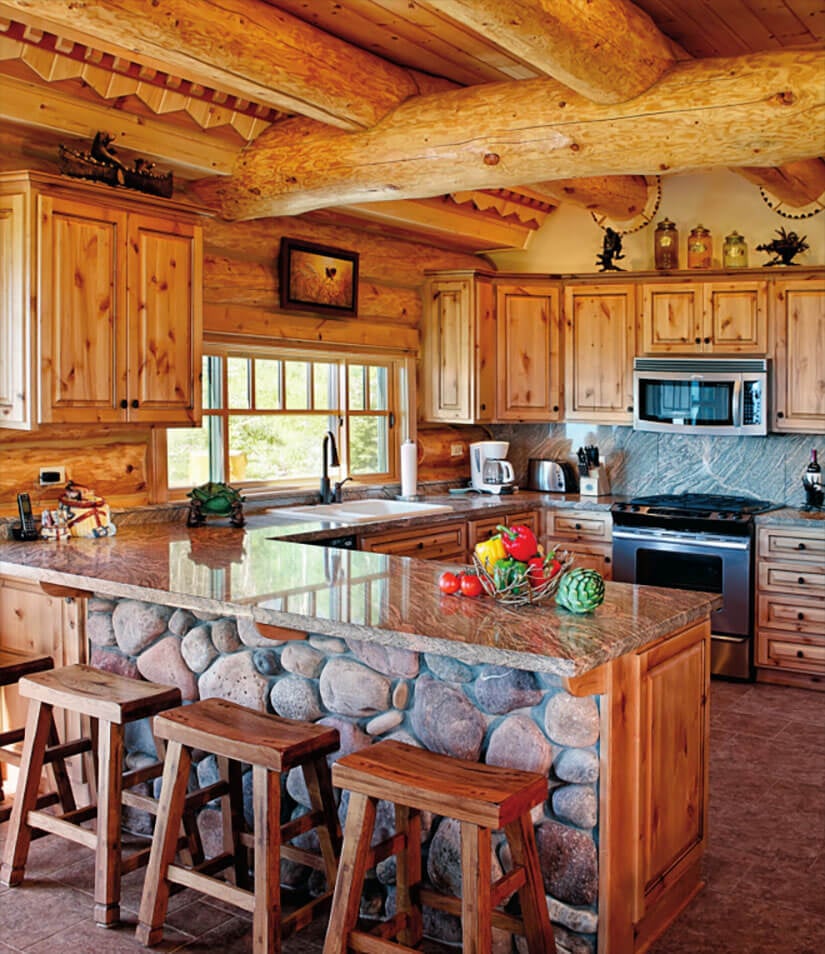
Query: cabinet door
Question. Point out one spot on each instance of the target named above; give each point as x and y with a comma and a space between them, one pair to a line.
736, 317
599, 349
671, 318
529, 385
164, 307
447, 352
799, 356
82, 311
674, 757
15, 319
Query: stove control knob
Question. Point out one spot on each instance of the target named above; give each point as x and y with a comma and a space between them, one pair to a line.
724, 515
635, 507
620, 506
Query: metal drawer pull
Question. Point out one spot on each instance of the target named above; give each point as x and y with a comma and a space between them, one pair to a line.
800, 546
800, 654
801, 580
800, 616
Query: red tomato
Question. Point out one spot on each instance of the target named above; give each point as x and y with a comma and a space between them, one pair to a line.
471, 585
448, 582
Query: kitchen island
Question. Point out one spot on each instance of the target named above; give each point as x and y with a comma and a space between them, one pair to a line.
612, 706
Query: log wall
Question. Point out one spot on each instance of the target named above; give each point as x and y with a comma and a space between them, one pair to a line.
241, 300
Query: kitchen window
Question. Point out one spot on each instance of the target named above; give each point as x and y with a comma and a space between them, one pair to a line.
265, 414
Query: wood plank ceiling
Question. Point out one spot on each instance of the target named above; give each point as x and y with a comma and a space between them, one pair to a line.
476, 62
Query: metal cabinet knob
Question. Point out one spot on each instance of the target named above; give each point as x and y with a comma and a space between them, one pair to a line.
801, 580
135, 403
800, 546
800, 616
124, 403
800, 654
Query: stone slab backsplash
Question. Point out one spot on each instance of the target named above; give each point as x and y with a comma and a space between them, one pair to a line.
368, 692
640, 462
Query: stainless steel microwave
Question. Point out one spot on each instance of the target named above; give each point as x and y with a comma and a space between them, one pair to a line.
724, 396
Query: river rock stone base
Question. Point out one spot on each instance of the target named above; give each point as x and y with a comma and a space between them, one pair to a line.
482, 713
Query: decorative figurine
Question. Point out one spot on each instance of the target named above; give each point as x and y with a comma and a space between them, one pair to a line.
215, 500
784, 248
101, 164
611, 249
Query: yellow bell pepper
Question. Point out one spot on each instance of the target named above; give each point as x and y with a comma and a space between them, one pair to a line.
490, 551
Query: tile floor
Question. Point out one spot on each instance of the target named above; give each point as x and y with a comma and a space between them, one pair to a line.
765, 866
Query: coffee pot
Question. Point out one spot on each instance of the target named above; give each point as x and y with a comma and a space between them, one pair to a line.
490, 471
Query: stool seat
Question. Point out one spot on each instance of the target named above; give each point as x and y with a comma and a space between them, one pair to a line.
109, 701
98, 694
246, 735
271, 745
14, 665
467, 791
483, 798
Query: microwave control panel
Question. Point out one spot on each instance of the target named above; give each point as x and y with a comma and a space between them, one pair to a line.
752, 407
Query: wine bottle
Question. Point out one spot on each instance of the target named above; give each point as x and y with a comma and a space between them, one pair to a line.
813, 467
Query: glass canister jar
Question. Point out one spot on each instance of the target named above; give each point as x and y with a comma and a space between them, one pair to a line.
666, 245
700, 248
735, 251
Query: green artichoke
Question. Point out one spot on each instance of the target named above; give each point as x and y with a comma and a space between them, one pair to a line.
580, 590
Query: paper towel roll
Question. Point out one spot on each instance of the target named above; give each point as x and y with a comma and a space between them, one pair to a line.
409, 469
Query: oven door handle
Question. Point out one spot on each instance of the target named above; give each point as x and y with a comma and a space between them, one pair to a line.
681, 540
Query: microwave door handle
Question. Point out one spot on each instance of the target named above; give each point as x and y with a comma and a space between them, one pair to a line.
737, 402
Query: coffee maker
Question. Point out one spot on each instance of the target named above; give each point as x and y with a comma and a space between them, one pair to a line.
490, 471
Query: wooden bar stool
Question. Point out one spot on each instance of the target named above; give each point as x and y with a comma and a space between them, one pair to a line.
110, 702
271, 745
13, 666
483, 798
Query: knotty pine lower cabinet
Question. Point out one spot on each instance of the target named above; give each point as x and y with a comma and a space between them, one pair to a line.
654, 794
587, 534
443, 542
790, 606
33, 622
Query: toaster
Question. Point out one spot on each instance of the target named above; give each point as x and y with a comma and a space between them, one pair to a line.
551, 476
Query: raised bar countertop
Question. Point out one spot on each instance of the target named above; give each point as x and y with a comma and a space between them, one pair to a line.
394, 601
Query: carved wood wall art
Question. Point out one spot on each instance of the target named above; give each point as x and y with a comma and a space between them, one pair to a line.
101, 164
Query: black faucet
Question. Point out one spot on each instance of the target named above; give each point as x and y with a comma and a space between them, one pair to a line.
330, 459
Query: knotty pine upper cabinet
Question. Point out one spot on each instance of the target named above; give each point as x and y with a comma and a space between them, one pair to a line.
798, 329
528, 351
115, 331
719, 317
599, 324
15, 330
458, 371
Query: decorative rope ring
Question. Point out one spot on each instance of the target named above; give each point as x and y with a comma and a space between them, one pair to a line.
775, 205
646, 215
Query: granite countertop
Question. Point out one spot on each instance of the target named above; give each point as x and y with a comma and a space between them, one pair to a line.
791, 516
395, 601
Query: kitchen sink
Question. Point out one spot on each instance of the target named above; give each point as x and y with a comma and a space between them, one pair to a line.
361, 511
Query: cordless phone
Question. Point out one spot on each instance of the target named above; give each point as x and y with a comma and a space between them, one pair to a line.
27, 530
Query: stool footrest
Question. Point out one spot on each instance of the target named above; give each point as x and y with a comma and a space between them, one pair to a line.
51, 798
303, 823
301, 917
452, 905
10, 737
138, 859
507, 885
64, 750
57, 825
363, 943
206, 884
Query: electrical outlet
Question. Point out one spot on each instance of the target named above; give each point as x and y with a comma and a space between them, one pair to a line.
50, 476
456, 450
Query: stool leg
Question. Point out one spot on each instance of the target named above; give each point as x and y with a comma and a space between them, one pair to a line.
108, 850
408, 873
60, 773
352, 870
476, 882
18, 838
155, 899
266, 919
232, 818
319, 785
537, 928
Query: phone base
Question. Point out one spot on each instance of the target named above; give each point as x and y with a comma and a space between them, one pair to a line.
20, 534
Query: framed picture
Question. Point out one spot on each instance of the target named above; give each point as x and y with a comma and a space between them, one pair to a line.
317, 278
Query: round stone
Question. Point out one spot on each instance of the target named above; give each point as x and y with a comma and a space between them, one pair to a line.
572, 721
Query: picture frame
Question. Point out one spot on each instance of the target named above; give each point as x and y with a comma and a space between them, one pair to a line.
318, 278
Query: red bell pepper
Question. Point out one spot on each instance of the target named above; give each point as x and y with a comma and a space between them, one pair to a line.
519, 542
541, 570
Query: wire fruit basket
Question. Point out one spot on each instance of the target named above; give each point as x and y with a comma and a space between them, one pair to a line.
519, 590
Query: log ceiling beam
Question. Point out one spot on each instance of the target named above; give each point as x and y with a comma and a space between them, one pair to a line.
618, 197
795, 183
762, 107
243, 47
608, 52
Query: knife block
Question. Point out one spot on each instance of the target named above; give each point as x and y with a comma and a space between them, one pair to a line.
595, 484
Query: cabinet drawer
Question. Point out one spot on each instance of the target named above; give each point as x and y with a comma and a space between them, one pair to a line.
797, 545
478, 530
444, 542
801, 579
804, 654
580, 525
791, 615
593, 557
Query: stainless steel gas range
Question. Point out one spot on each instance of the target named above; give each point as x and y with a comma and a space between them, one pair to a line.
696, 542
